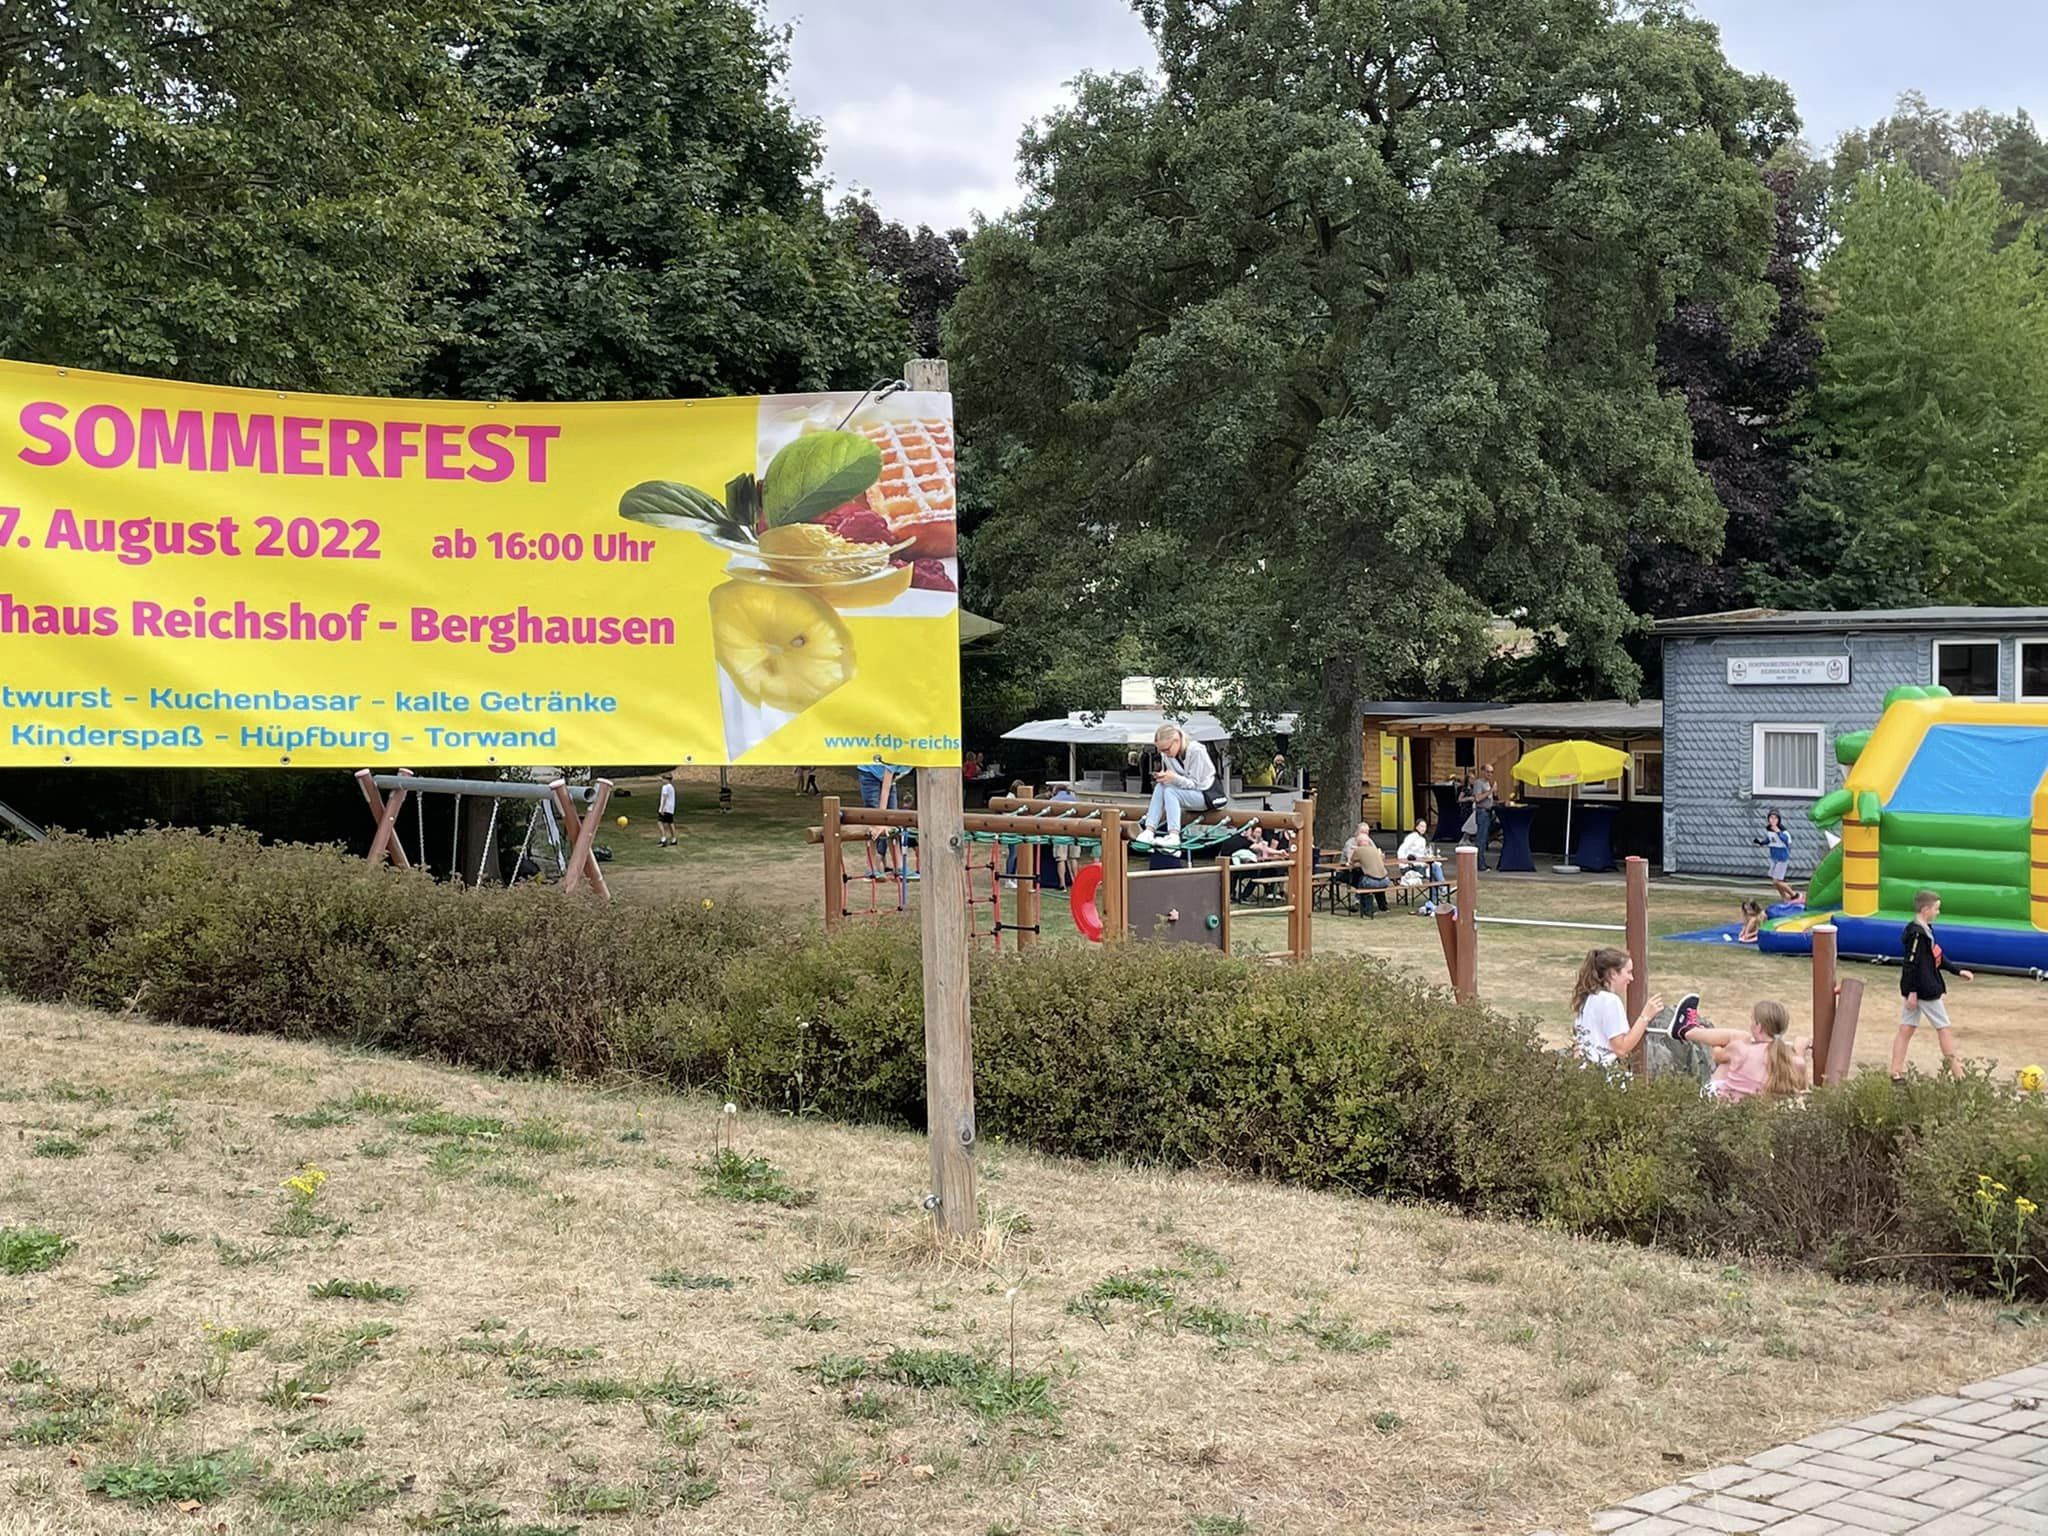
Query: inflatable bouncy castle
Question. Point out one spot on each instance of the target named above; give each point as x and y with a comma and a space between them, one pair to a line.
1949, 795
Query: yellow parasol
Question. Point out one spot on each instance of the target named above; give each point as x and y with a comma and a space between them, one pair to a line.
1570, 763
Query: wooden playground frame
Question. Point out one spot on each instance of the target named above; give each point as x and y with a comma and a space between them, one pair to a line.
1035, 822
1837, 1000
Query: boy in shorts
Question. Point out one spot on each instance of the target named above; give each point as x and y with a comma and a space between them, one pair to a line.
1922, 986
665, 811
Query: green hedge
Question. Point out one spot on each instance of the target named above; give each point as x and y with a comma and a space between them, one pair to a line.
1341, 1074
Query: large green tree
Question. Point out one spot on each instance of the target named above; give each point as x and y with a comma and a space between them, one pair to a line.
254, 192
672, 237
1926, 437
1337, 340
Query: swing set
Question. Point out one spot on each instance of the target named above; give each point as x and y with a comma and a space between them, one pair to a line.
551, 812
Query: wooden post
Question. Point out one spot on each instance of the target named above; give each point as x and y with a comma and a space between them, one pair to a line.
835, 866
1112, 900
1637, 925
1826, 974
1447, 935
1465, 975
387, 843
1842, 1044
943, 917
582, 834
1301, 894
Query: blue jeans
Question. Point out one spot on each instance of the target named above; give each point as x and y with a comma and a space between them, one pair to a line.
1484, 834
1170, 802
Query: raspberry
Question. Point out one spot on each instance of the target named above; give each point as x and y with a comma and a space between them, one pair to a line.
857, 523
931, 576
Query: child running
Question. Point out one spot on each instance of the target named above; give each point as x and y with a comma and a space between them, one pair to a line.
1921, 984
1747, 1062
1777, 846
1601, 1032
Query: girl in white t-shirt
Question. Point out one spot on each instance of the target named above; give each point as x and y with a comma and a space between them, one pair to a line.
1601, 1032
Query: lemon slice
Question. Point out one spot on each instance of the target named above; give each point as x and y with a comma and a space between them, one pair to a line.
783, 647
808, 552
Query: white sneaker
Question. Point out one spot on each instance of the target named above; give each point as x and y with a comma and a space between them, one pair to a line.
1166, 840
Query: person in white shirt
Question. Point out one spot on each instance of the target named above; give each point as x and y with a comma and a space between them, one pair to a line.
1601, 1032
1420, 865
1181, 786
665, 811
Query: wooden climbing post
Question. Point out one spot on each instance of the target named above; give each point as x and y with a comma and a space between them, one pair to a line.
1111, 899
835, 867
1302, 886
1637, 931
1465, 963
1826, 976
943, 918
1842, 1042
386, 844
582, 832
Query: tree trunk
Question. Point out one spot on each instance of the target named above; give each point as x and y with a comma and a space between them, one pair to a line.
1340, 754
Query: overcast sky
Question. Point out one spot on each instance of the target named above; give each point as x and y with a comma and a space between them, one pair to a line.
922, 100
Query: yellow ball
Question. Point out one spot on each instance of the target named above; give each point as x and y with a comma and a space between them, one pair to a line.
622, 821
2031, 1079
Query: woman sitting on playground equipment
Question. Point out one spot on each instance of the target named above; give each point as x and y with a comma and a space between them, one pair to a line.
1601, 1032
1748, 1062
1181, 785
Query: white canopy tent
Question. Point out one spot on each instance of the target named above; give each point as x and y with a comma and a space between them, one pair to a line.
1133, 728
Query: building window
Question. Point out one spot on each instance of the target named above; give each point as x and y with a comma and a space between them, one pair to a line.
1967, 668
1647, 780
1786, 760
2034, 669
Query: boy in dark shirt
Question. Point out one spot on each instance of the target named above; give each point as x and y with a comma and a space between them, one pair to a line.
1922, 986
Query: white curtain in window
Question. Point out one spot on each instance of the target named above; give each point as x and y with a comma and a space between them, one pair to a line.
1791, 760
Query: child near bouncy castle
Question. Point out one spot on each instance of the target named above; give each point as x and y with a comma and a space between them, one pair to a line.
1777, 846
1922, 987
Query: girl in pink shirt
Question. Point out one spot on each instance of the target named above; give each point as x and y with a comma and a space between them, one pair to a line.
1753, 1061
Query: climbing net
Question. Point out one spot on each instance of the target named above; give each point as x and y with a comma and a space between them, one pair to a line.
994, 866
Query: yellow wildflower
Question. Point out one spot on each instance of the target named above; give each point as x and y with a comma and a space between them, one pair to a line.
707, 903
306, 1182
1998, 1188
2025, 1206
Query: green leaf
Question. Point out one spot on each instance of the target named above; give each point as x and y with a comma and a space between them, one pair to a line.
817, 472
668, 504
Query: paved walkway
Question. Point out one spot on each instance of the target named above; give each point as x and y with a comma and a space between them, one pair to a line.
1975, 1464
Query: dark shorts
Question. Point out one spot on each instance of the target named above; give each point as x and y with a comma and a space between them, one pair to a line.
666, 818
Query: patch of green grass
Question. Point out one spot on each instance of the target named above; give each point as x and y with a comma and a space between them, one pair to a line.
1203, 1263
683, 1280
681, 1484
66, 1427
1340, 1335
453, 1159
62, 1092
171, 1403
803, 1322
382, 1147
822, 1272
359, 1290
1219, 1323
521, 1346
1137, 1288
595, 1499
26, 1372
1385, 1422
368, 1101
457, 1515
542, 1134
173, 1239
633, 1134
291, 1393
147, 1480
442, 1122
321, 1442
990, 1390
752, 1180
318, 1118
30, 1250
1219, 1525
321, 1500
123, 1281
1778, 1347
56, 1146
235, 1256
505, 1178
672, 1391
239, 1341
868, 1406
837, 1370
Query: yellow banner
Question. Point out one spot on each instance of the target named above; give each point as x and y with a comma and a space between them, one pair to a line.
200, 576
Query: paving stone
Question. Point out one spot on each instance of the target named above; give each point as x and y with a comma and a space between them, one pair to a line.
1831, 1467
1959, 1437
1910, 1485
2020, 1421
1953, 1524
1653, 1525
1862, 1520
1806, 1525
1834, 1439
1615, 1519
2003, 1469
1770, 1484
2017, 1447
1807, 1495
1914, 1453
1778, 1457
1878, 1423
1700, 1517
1957, 1493
1905, 1509
1928, 1406
1722, 1477
1657, 1500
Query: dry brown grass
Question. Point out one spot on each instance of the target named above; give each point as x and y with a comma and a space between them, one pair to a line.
1497, 1377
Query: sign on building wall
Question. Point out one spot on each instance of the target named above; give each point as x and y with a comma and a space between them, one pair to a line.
1782, 671
201, 576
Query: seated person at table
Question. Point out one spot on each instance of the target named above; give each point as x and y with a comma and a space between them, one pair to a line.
1363, 867
1180, 786
1416, 857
